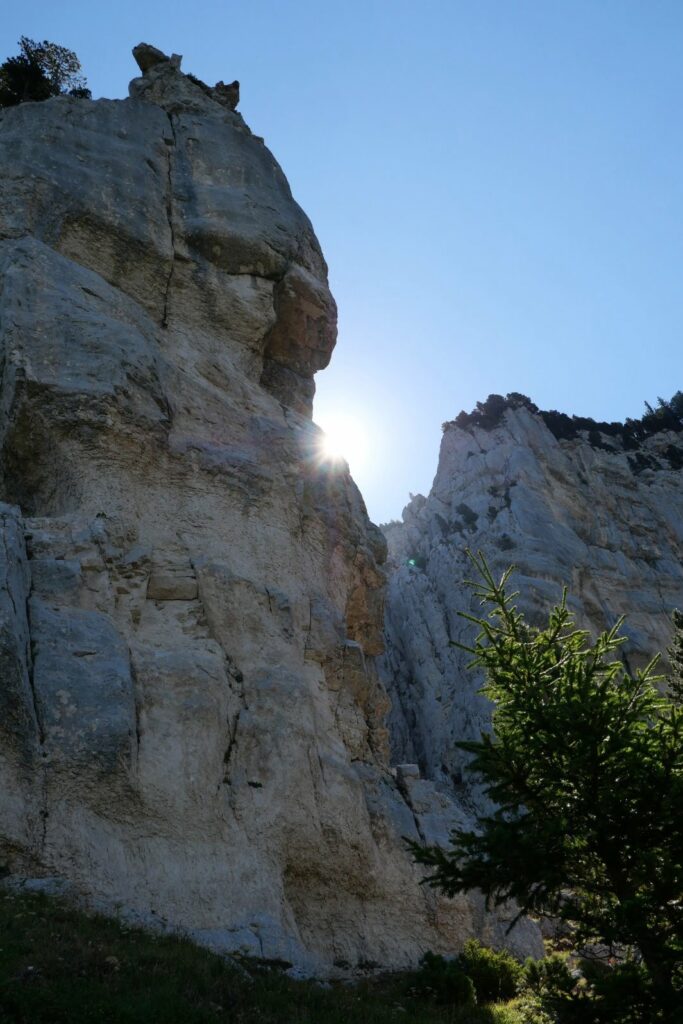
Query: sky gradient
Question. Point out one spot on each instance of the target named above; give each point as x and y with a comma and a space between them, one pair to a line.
497, 187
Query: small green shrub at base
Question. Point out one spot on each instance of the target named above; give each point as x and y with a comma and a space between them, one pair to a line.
549, 978
496, 975
443, 981
622, 994
524, 1010
61, 966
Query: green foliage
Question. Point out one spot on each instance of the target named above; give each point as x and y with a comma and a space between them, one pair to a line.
675, 653
489, 413
60, 966
478, 975
41, 70
444, 981
667, 416
620, 994
526, 1009
496, 974
519, 1011
549, 978
585, 765
666, 409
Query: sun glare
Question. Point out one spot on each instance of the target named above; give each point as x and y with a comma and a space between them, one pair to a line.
344, 439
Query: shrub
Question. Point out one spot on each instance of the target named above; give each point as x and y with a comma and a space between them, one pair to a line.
549, 978
443, 981
496, 975
41, 70
525, 1010
620, 995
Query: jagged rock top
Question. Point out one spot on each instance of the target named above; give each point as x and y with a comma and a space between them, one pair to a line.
613, 436
170, 198
596, 507
158, 70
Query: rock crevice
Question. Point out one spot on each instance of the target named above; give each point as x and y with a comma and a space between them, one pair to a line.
169, 212
205, 612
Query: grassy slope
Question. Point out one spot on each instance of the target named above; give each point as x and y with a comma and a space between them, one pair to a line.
59, 966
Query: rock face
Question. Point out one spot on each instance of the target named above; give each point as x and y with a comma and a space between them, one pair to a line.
595, 507
192, 724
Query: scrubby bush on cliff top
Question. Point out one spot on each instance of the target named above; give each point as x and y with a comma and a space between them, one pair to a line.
668, 415
585, 765
39, 71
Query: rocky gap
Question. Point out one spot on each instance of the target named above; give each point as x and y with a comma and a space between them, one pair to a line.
136, 700
29, 647
232, 741
169, 213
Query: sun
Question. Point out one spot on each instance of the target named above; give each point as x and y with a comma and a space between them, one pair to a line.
334, 447
344, 440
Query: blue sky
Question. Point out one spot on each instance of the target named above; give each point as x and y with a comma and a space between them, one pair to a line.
497, 187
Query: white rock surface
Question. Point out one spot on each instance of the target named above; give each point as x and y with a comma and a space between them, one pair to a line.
192, 724
584, 511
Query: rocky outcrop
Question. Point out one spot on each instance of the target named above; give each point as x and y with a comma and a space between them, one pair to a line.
190, 597
595, 507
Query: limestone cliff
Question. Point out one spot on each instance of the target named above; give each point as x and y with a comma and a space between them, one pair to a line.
192, 725
594, 506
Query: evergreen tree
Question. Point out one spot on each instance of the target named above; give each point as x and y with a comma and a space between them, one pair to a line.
675, 653
585, 765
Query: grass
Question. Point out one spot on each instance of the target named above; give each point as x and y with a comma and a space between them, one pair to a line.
61, 966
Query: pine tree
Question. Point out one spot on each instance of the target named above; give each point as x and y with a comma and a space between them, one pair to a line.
585, 765
675, 653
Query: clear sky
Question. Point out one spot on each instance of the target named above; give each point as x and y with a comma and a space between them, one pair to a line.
497, 186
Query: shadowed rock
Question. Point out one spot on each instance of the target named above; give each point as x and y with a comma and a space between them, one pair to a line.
190, 600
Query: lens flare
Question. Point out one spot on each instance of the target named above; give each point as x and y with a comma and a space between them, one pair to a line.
344, 440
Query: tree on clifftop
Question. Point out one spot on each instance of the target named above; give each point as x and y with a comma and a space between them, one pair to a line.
585, 765
41, 70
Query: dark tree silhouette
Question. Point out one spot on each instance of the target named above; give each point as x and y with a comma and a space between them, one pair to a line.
41, 70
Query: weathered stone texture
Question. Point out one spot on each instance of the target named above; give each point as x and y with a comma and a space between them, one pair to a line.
585, 512
190, 601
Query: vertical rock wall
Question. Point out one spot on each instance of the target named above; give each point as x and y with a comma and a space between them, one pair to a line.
190, 599
593, 507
